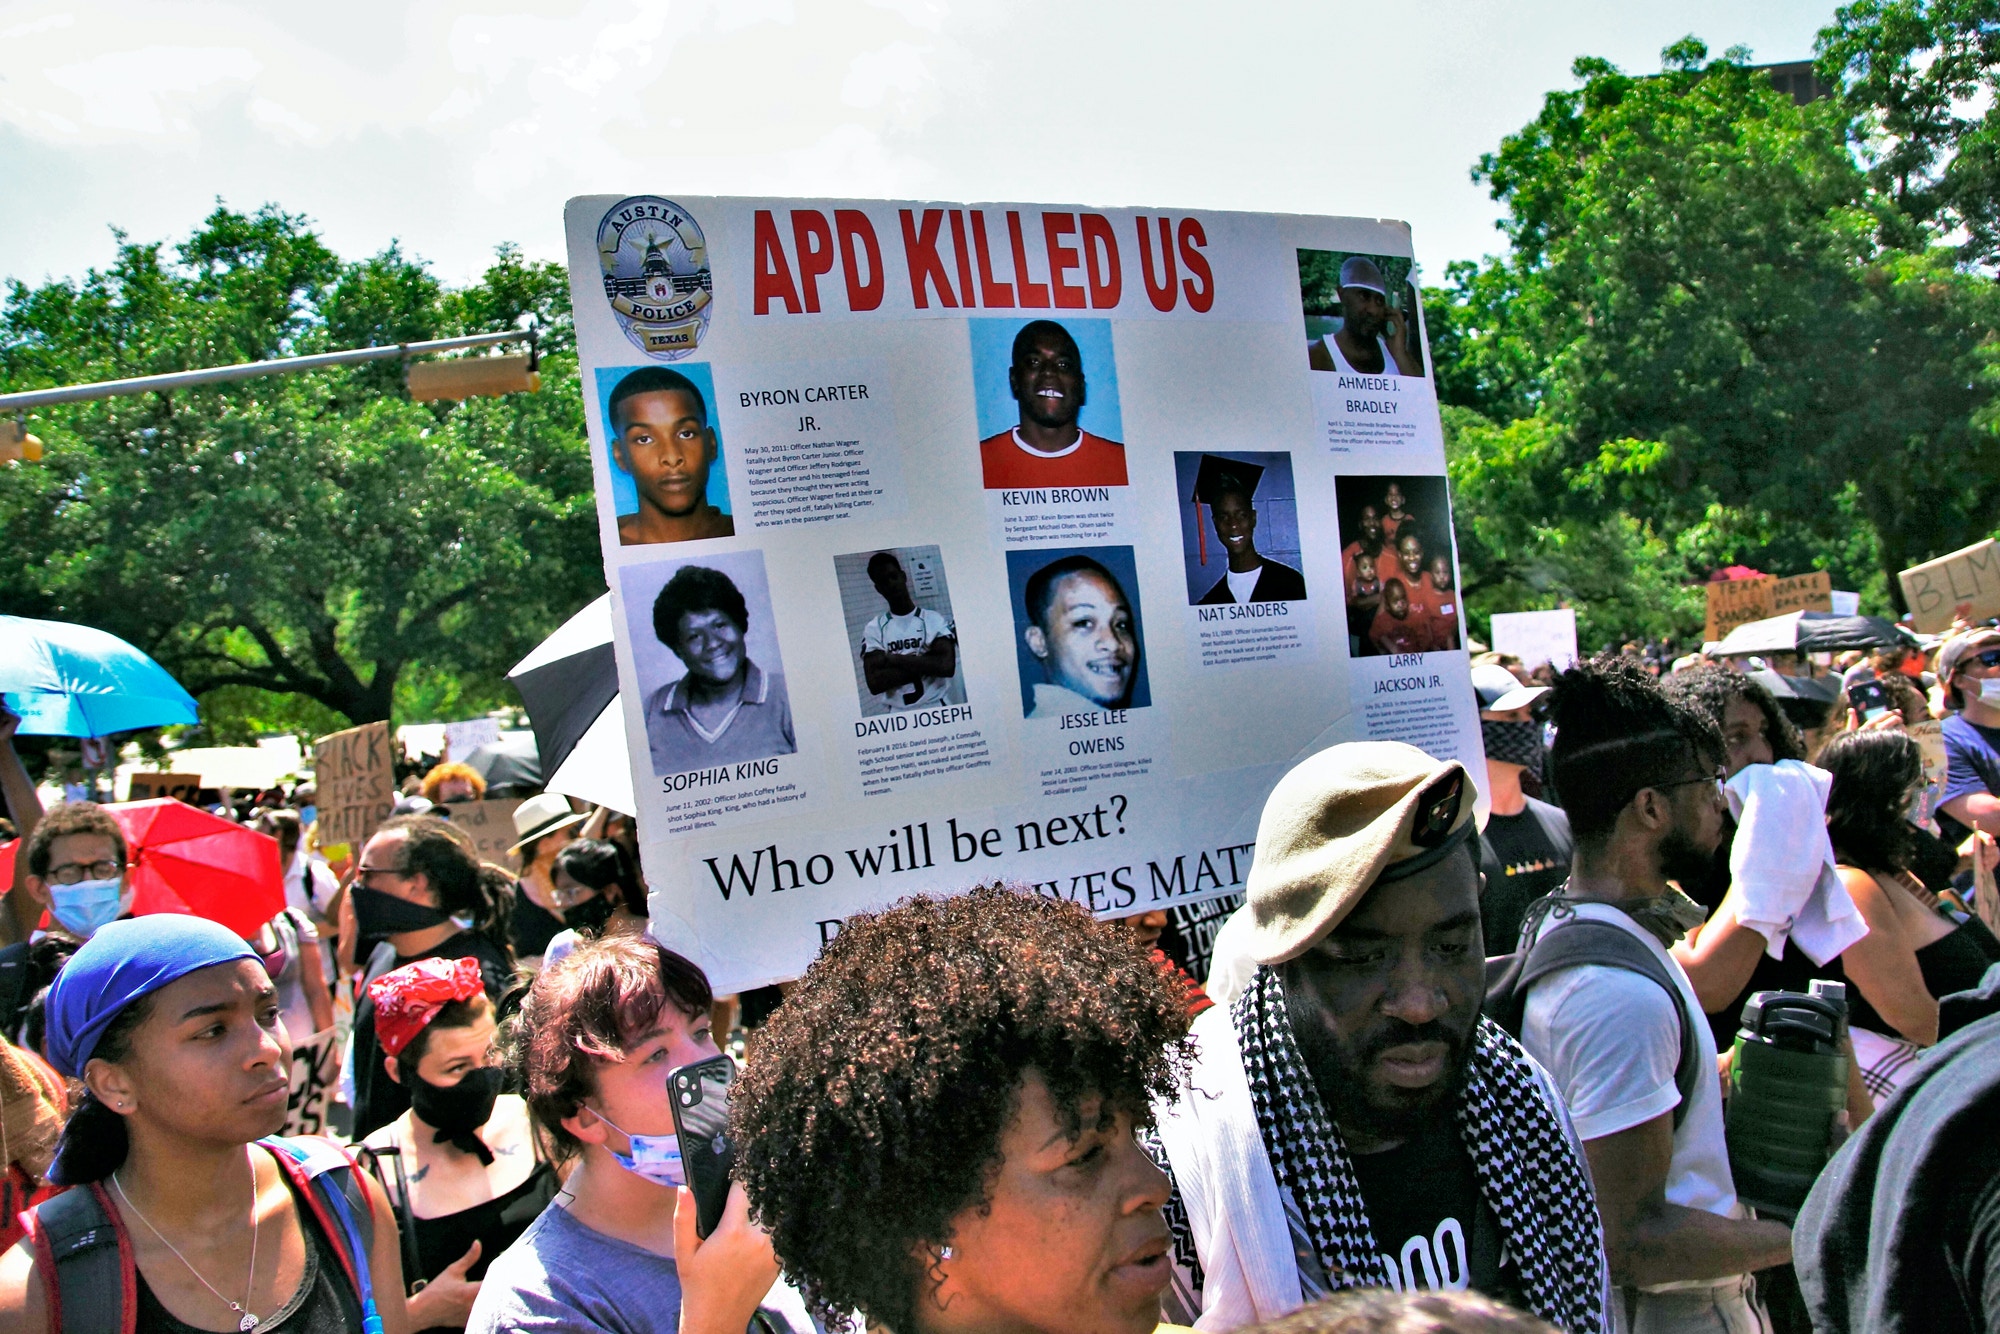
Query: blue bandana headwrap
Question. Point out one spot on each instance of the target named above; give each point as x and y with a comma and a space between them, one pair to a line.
121, 963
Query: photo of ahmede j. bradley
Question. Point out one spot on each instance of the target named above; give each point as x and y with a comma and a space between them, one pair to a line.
727, 703
1360, 313
1076, 613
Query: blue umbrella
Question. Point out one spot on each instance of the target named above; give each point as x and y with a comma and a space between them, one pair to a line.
71, 680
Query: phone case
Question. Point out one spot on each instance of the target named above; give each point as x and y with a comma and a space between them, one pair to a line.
700, 1096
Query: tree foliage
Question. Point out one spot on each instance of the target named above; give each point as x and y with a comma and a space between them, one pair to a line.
1724, 330
300, 549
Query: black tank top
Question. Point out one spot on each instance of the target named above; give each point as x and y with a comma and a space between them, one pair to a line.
324, 1302
444, 1240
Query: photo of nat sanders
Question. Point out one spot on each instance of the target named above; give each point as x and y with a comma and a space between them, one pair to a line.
1396, 565
1360, 313
1076, 618
1239, 528
706, 656
899, 628
667, 481
1037, 404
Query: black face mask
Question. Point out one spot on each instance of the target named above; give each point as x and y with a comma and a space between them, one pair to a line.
458, 1110
590, 915
378, 916
1514, 743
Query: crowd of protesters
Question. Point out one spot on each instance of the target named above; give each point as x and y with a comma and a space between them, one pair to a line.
1466, 1057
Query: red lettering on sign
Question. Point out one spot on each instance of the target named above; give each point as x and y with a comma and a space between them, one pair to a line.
774, 274
920, 253
815, 260
964, 255
1106, 280
1062, 259
1032, 293
992, 295
1163, 293
1192, 241
853, 225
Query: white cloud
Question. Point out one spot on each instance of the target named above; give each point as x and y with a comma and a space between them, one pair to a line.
148, 91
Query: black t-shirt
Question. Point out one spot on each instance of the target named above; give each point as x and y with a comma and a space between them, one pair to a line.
378, 1099
1525, 857
531, 927
1432, 1225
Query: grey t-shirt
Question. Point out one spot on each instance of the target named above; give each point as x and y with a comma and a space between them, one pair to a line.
561, 1277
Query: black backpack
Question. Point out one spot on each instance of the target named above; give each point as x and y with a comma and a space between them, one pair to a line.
1583, 941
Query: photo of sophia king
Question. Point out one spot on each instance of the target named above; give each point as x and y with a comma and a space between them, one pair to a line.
725, 708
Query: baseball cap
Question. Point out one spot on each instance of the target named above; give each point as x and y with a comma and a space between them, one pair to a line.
1957, 650
1341, 822
1362, 272
1499, 690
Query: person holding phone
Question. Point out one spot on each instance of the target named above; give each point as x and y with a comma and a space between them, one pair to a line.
940, 1125
593, 1048
1374, 337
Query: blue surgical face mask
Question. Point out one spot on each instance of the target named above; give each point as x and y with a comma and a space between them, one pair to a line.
307, 814
654, 1157
87, 904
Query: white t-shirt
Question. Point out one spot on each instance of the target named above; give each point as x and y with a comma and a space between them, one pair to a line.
1611, 1040
914, 633
1241, 586
1389, 366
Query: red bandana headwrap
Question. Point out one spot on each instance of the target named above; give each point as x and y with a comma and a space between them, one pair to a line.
410, 997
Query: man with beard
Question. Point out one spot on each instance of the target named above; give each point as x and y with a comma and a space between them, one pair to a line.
1080, 628
1048, 447
726, 709
1373, 338
1350, 1119
1641, 778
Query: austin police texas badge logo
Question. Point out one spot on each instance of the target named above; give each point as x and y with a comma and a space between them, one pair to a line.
656, 275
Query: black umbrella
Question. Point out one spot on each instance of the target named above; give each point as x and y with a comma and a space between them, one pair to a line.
510, 765
1806, 700
568, 682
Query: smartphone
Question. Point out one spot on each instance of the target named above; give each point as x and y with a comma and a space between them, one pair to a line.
700, 1096
1870, 699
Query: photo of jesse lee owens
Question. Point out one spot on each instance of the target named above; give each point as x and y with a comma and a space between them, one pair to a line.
1081, 632
661, 436
1047, 447
1402, 592
909, 654
1352, 325
1226, 488
726, 709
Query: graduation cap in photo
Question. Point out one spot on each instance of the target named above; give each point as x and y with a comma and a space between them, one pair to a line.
1214, 476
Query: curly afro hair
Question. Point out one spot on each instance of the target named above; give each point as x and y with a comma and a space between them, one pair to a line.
1712, 689
880, 1088
1616, 733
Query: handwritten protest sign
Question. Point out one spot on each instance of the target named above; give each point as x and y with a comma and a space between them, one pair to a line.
1734, 602
147, 786
1968, 578
357, 783
491, 824
1812, 591
1536, 637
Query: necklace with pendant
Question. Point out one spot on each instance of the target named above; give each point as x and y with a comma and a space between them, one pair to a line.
245, 1321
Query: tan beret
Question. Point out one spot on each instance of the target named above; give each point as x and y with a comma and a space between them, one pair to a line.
1339, 823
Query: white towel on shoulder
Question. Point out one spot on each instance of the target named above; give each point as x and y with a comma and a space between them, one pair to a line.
1782, 863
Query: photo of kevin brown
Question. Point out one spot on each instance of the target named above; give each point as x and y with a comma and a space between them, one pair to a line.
1048, 447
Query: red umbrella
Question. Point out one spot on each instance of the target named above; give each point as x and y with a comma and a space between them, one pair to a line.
186, 860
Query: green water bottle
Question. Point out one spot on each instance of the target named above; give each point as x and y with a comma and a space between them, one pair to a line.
1788, 1094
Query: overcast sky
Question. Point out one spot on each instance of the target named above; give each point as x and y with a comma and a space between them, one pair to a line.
456, 125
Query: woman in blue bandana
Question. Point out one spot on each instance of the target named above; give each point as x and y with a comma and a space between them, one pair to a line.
186, 1213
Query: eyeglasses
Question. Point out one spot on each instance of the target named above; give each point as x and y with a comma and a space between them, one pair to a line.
75, 873
1720, 777
362, 873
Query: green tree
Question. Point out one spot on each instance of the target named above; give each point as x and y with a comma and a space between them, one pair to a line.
300, 550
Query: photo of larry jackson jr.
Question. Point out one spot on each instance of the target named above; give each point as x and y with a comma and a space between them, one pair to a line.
1080, 629
1048, 448
908, 653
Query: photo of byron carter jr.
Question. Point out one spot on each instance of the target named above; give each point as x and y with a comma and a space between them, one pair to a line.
726, 709
661, 436
1048, 447
1081, 629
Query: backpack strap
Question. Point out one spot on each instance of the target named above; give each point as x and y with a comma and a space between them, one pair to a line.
13, 988
1581, 941
329, 1182
88, 1272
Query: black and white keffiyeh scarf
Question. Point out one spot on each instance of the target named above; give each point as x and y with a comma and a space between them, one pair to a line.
1524, 1162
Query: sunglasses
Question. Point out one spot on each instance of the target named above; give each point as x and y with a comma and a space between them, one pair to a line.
1990, 658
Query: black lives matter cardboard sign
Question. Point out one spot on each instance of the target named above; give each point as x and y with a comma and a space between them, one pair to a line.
356, 780
1967, 582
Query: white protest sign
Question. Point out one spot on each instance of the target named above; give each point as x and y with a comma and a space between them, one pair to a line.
1536, 637
949, 544
1844, 603
461, 739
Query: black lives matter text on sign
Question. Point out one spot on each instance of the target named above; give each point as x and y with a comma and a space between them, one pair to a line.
811, 444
